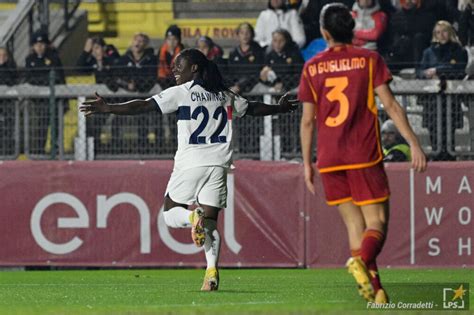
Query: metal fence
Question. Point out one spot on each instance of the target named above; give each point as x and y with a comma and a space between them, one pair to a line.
43, 122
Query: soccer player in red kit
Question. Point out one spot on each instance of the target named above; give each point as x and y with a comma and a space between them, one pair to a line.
337, 89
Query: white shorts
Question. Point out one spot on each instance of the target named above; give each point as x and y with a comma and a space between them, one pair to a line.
205, 185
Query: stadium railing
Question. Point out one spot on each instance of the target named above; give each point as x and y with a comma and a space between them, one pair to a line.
43, 122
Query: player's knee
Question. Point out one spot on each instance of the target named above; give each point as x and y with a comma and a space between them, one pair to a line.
375, 223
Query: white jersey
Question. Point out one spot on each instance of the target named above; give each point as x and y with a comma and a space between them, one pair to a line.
204, 123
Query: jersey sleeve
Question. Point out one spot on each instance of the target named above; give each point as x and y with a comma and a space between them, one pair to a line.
239, 105
166, 100
305, 90
381, 72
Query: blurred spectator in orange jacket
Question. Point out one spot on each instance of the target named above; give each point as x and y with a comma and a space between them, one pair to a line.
168, 52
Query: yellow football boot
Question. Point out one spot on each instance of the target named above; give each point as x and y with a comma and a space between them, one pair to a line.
381, 297
211, 280
357, 268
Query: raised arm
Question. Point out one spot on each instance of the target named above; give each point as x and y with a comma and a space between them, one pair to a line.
399, 117
284, 105
133, 107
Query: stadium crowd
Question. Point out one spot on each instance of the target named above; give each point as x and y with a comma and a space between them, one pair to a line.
432, 38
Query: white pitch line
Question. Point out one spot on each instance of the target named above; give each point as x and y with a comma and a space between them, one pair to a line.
412, 216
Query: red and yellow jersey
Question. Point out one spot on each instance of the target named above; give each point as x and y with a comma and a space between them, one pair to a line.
340, 82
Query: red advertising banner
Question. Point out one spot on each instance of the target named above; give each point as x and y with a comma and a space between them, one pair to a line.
108, 213
430, 220
104, 213
443, 220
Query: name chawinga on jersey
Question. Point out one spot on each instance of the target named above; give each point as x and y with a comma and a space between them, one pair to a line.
207, 96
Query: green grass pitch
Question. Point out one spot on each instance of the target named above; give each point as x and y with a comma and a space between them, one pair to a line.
264, 291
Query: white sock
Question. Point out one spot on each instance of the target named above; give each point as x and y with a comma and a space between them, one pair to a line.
177, 217
213, 242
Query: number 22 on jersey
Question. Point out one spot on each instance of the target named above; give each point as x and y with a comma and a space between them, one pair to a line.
219, 113
336, 94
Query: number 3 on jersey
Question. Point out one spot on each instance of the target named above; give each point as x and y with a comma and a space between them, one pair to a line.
338, 85
215, 137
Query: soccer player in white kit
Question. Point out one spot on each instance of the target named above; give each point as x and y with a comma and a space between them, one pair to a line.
204, 107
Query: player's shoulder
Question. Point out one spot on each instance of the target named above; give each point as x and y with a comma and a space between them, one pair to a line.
179, 89
360, 51
315, 59
318, 57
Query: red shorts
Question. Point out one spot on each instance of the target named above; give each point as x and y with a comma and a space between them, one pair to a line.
362, 186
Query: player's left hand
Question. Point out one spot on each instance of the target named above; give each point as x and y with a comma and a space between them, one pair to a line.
418, 159
309, 178
287, 105
99, 105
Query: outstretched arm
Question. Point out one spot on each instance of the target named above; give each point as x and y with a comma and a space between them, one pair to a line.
133, 107
399, 117
284, 105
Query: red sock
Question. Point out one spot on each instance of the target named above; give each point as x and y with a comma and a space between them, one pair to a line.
373, 270
372, 243
374, 273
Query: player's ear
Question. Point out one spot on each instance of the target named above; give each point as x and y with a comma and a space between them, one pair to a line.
194, 68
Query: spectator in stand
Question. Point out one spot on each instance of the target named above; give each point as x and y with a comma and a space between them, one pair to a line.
370, 21
283, 63
246, 60
410, 30
466, 22
8, 71
99, 58
309, 11
8, 76
278, 16
136, 70
395, 148
170, 49
39, 63
172, 46
445, 59
211, 50
41, 60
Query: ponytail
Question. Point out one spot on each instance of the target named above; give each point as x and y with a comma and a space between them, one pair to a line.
212, 77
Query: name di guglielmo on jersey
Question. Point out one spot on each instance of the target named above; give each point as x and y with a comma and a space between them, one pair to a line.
337, 65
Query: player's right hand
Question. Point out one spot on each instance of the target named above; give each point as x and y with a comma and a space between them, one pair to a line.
309, 178
99, 105
287, 105
418, 159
